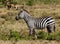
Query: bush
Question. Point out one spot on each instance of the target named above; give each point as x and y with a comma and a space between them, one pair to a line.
42, 35
14, 35
57, 36
51, 37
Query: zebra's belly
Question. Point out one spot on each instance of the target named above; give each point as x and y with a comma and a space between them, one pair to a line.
40, 27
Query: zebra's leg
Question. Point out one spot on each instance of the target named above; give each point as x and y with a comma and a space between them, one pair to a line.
31, 31
34, 34
51, 28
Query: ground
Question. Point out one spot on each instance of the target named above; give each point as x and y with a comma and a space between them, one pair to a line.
30, 42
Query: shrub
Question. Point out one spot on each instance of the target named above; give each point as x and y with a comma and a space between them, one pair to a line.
14, 35
51, 37
57, 36
42, 35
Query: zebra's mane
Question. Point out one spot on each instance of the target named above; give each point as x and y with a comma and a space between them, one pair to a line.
26, 11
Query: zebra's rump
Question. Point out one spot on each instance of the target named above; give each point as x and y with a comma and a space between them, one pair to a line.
43, 22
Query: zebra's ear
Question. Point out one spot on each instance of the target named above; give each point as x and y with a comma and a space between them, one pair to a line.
22, 9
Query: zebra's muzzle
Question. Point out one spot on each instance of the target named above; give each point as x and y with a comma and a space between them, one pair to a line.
16, 18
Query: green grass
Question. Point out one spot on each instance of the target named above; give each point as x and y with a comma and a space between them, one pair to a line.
33, 2
40, 1
14, 35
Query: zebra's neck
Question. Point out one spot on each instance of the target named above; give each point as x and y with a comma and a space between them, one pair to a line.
27, 17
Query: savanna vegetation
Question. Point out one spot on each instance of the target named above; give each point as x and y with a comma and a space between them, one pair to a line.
13, 30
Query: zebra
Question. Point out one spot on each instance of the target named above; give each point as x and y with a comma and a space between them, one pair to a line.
36, 23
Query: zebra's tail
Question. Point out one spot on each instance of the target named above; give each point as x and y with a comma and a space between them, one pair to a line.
54, 28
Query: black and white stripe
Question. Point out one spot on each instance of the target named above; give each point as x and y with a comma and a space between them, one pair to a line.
43, 22
33, 23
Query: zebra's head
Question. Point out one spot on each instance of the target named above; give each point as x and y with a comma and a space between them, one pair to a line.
20, 15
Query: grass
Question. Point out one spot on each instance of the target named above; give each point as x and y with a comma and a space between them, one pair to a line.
33, 2
30, 2
10, 29
14, 35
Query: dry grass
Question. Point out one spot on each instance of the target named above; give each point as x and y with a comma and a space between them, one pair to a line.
30, 42
8, 22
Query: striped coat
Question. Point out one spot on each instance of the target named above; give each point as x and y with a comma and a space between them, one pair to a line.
37, 23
